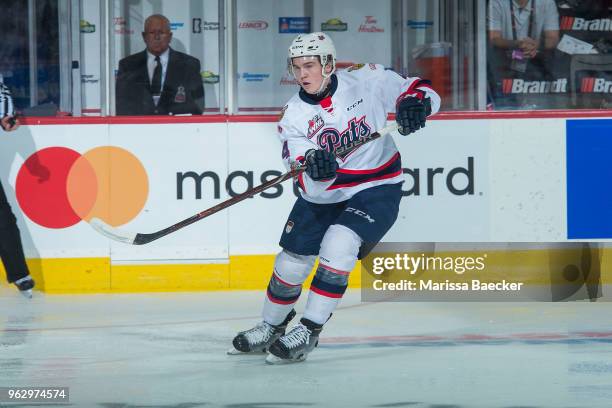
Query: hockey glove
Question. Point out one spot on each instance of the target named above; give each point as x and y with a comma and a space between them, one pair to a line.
411, 114
320, 164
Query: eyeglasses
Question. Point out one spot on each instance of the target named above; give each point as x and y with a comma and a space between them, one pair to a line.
157, 33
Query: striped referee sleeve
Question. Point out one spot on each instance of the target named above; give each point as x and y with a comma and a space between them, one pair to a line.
6, 102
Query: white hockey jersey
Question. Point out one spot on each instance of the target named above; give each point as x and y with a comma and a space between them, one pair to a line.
360, 98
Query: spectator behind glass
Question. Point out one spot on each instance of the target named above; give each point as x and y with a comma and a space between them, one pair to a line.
159, 80
522, 34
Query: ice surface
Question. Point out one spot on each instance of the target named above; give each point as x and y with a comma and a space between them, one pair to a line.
168, 350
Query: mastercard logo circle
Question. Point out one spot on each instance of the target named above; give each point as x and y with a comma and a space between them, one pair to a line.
57, 187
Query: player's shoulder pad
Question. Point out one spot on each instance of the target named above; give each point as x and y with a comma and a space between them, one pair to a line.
291, 110
293, 115
281, 115
370, 66
365, 70
355, 67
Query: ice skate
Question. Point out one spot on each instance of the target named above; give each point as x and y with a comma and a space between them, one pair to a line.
259, 338
25, 286
294, 346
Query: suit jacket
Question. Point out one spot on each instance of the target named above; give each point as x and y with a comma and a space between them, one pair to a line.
182, 91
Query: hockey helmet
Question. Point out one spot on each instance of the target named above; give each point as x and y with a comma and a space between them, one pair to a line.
313, 44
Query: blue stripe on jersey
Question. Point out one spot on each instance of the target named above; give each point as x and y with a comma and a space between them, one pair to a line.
351, 178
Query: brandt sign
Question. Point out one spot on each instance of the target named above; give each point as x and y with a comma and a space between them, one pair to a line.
520, 86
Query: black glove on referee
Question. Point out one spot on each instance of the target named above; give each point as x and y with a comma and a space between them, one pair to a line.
320, 164
411, 114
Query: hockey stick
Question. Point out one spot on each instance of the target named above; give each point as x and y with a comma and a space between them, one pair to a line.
140, 238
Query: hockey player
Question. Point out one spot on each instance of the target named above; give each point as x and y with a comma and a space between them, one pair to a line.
347, 202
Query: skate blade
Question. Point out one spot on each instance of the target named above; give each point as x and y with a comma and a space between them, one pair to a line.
234, 352
26, 293
274, 360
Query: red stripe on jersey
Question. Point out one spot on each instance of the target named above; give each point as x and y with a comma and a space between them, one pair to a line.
326, 103
412, 91
370, 171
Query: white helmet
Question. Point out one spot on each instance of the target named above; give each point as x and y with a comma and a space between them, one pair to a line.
313, 44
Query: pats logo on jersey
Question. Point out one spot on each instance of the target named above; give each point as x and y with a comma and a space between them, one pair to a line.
331, 139
314, 125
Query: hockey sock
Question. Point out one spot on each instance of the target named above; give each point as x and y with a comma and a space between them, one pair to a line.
285, 287
337, 258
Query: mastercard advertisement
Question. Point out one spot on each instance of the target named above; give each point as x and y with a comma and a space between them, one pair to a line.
64, 176
58, 187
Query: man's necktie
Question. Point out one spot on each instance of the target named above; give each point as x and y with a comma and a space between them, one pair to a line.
156, 82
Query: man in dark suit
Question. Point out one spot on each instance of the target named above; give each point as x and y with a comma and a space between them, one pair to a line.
159, 80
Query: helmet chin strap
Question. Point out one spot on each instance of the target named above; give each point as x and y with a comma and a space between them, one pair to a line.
324, 84
325, 81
